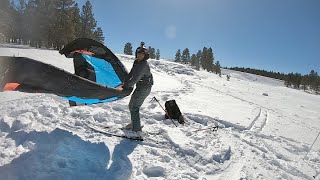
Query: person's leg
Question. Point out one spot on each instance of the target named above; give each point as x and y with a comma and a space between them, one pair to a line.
137, 99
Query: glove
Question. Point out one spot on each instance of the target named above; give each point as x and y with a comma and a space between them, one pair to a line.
125, 92
120, 87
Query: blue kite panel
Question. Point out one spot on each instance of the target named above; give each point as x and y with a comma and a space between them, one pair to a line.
91, 101
105, 74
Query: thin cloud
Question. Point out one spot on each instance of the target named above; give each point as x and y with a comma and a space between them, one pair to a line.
171, 32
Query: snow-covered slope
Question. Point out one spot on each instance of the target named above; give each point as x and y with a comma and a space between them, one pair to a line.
252, 77
261, 137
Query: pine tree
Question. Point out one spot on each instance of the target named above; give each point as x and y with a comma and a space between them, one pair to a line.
218, 68
98, 35
28, 20
178, 56
210, 60
207, 59
6, 20
152, 53
43, 14
304, 82
289, 80
64, 26
185, 57
76, 20
193, 60
204, 59
15, 31
46, 23
198, 60
4, 15
158, 54
128, 49
88, 23
313, 77
318, 85
20, 20
297, 80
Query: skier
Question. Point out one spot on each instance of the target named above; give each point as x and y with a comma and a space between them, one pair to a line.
141, 76
228, 77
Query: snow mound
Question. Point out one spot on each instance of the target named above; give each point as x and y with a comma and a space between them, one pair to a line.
171, 68
154, 171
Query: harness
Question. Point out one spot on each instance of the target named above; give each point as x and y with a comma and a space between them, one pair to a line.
146, 80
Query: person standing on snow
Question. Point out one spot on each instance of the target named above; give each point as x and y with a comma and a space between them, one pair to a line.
139, 48
140, 75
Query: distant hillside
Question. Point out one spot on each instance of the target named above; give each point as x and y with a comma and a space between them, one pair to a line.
271, 74
252, 77
309, 81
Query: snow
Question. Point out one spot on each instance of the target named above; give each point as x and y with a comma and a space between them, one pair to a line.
154, 171
259, 136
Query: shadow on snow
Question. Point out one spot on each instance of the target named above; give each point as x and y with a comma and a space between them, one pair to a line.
62, 155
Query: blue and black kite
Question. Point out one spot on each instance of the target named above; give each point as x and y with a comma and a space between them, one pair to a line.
98, 73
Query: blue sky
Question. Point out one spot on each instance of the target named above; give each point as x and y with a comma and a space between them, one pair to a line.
277, 35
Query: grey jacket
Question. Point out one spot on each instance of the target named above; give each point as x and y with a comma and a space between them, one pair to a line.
140, 74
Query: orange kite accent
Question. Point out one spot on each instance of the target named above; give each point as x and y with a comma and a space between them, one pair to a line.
10, 86
84, 52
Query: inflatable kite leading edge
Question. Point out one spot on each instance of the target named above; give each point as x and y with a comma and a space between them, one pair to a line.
97, 74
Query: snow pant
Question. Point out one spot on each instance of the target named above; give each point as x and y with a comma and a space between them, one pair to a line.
139, 95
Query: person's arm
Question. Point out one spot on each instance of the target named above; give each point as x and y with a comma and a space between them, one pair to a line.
137, 51
136, 74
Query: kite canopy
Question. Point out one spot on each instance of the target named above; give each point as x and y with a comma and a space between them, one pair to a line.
97, 56
95, 62
97, 74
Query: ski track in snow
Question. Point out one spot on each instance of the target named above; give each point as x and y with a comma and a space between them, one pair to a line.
43, 138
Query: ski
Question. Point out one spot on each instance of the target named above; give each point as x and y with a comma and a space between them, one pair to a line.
110, 134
